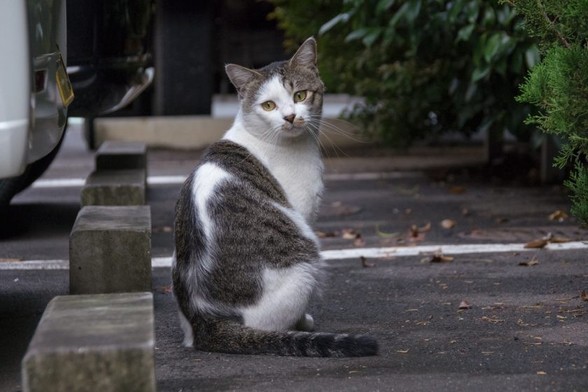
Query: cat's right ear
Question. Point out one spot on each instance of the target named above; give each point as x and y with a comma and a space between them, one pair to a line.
239, 75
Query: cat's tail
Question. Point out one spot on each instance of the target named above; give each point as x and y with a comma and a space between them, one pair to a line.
231, 337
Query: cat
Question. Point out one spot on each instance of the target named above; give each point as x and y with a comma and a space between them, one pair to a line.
247, 261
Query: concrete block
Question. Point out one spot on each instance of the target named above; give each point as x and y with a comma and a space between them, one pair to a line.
110, 250
115, 187
93, 343
121, 155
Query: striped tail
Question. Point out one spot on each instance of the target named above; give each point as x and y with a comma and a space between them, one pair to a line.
231, 337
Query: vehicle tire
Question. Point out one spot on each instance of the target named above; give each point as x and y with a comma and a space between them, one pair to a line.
90, 133
11, 186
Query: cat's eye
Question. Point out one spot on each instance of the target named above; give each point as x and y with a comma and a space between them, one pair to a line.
268, 106
300, 96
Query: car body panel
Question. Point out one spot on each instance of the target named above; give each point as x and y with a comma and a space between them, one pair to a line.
15, 85
33, 114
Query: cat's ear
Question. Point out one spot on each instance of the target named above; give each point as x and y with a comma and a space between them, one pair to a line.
305, 56
239, 75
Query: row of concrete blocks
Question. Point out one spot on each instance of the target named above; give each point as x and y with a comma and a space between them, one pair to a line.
101, 338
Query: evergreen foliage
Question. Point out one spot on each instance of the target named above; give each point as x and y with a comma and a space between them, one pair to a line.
424, 67
559, 85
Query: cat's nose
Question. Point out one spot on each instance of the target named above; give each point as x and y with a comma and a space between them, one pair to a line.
290, 118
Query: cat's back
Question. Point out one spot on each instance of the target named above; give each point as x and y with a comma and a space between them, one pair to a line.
233, 221
228, 164
229, 188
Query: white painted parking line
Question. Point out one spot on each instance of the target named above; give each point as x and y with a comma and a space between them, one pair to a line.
59, 183
341, 254
178, 180
443, 249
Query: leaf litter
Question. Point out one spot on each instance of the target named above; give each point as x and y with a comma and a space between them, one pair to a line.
448, 223
542, 242
529, 263
464, 305
437, 257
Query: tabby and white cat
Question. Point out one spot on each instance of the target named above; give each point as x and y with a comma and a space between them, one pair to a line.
247, 260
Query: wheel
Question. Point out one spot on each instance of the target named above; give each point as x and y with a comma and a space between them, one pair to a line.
90, 133
11, 186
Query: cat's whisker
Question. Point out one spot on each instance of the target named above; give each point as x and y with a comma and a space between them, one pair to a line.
330, 126
272, 135
326, 141
313, 129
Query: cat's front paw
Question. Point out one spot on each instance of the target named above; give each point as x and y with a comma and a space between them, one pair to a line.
306, 323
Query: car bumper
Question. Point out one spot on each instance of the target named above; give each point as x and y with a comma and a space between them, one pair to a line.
13, 147
104, 89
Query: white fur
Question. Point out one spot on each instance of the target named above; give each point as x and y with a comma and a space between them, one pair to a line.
291, 154
187, 328
286, 293
207, 178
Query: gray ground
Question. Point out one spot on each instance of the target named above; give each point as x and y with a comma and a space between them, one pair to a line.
525, 329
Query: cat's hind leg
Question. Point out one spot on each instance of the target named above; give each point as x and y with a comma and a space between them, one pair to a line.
286, 293
306, 323
187, 328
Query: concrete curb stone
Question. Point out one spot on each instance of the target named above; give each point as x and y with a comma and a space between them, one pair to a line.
115, 187
93, 343
121, 155
110, 250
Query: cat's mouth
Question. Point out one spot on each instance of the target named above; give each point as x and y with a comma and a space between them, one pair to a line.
295, 128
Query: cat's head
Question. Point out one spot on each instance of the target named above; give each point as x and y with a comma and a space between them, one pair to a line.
283, 99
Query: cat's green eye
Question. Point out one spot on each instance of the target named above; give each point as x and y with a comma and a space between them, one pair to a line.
299, 96
268, 106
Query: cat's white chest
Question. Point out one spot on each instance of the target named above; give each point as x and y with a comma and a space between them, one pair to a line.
301, 177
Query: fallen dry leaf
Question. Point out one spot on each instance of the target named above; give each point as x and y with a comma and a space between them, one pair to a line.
448, 223
425, 228
558, 215
339, 208
9, 260
584, 295
548, 239
365, 263
541, 373
438, 257
359, 241
559, 240
418, 233
463, 305
165, 289
350, 234
457, 190
537, 244
529, 263
383, 234
162, 229
326, 234
493, 319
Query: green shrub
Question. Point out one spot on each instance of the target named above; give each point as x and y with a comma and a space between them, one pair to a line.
424, 67
559, 85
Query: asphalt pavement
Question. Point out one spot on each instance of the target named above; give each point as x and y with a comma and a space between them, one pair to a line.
425, 251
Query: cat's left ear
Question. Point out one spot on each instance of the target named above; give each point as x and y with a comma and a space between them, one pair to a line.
305, 56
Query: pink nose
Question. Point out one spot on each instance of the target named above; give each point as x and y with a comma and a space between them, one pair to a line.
290, 118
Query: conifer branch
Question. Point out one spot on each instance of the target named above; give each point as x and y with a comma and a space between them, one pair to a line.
551, 25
